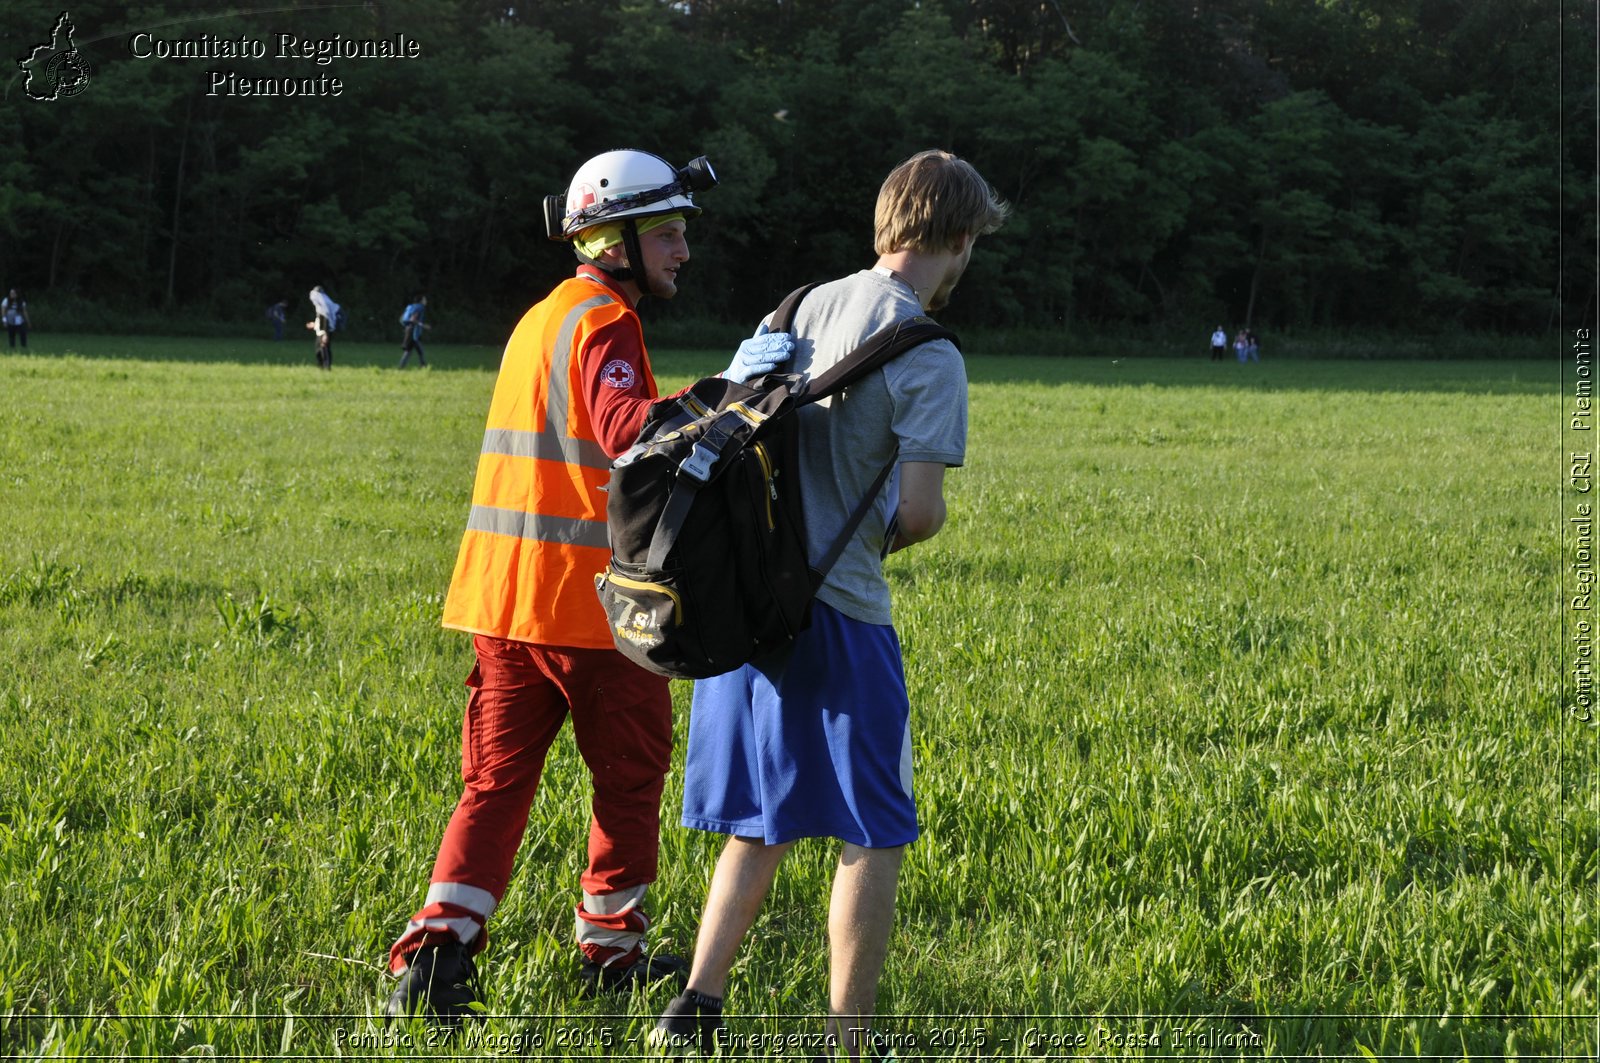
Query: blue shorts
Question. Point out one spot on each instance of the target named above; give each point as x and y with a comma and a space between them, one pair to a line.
811, 742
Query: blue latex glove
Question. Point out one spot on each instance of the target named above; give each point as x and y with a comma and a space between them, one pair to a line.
759, 355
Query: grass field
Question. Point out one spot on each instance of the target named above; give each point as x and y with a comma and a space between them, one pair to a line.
1235, 693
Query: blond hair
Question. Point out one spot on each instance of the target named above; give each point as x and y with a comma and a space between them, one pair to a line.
933, 201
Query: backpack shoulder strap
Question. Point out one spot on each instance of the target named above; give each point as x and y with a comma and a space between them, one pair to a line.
875, 351
783, 317
825, 564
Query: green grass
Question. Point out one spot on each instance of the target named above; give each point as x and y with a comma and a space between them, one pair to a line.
1234, 690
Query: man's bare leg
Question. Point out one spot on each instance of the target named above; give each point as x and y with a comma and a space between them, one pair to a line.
860, 920
739, 885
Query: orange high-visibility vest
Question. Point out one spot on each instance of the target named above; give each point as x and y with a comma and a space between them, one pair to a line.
536, 536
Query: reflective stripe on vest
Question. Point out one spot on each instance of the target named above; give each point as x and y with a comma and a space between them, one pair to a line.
546, 529
545, 446
558, 402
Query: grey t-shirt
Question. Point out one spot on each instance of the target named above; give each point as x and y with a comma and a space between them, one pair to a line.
918, 400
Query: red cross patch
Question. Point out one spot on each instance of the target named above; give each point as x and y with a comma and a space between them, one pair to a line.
617, 374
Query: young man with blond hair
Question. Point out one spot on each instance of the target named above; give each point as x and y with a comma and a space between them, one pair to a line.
815, 741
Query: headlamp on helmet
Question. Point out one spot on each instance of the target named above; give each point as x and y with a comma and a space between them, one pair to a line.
626, 184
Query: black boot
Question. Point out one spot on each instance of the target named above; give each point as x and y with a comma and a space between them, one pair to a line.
441, 979
644, 971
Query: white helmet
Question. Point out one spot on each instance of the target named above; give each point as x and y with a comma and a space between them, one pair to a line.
625, 184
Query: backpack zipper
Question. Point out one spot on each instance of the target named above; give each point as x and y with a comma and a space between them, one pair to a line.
772, 488
640, 585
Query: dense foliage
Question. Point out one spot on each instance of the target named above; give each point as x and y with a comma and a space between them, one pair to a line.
1319, 163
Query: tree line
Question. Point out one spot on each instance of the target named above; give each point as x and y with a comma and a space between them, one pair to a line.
1398, 164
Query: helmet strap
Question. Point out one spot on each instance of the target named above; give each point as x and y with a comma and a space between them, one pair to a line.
630, 244
634, 271
630, 272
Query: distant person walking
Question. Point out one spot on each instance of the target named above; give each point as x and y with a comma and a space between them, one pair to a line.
412, 324
1240, 346
1252, 346
327, 312
14, 312
277, 314
1219, 344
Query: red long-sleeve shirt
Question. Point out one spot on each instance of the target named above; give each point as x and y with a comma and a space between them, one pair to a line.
618, 386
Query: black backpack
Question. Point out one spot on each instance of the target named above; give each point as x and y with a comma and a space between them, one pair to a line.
708, 550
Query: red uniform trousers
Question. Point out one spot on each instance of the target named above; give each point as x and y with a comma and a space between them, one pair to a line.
622, 721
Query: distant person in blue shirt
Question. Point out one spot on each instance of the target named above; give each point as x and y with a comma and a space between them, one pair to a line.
277, 314
411, 322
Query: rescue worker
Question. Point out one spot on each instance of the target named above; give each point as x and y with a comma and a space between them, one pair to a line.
574, 389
